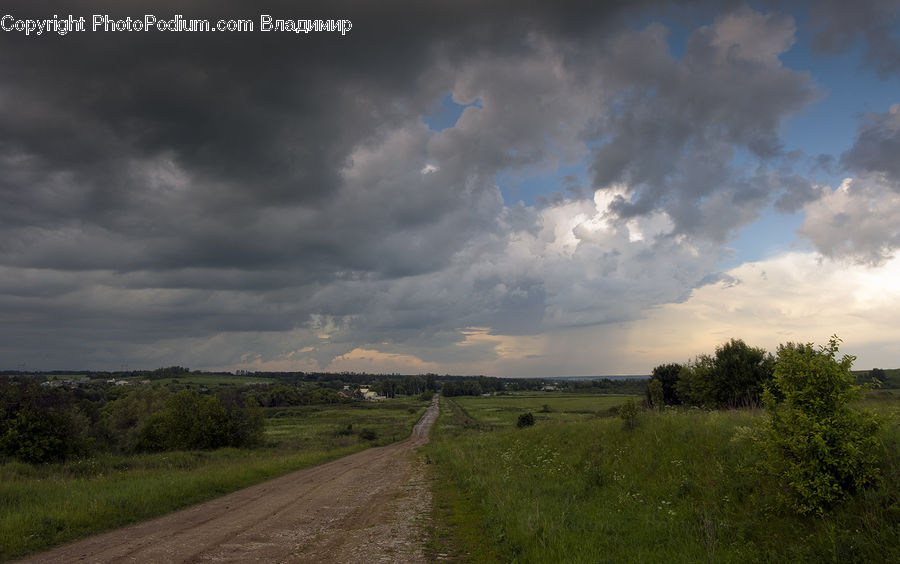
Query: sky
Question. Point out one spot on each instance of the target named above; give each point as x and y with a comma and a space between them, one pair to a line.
513, 188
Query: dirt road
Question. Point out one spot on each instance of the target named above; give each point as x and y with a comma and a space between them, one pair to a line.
366, 507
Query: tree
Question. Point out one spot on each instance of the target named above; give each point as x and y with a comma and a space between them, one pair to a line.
695, 381
35, 437
667, 376
735, 376
192, 421
820, 448
655, 394
741, 373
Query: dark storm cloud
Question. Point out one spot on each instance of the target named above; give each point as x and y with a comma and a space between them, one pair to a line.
103, 128
839, 26
877, 146
177, 195
184, 184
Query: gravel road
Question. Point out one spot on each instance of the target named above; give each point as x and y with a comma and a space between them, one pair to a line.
366, 507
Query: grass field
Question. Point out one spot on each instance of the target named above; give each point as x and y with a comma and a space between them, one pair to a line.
681, 486
503, 411
45, 505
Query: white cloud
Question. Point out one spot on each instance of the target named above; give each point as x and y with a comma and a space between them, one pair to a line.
858, 222
791, 297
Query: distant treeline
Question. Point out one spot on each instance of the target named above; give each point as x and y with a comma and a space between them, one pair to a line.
41, 423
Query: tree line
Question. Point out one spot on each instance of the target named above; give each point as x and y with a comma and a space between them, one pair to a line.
48, 424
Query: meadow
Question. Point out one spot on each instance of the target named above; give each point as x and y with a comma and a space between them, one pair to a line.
683, 485
50, 504
501, 411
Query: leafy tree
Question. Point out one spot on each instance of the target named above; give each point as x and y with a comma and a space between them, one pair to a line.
741, 374
35, 437
695, 381
192, 421
123, 417
735, 376
40, 424
667, 376
413, 385
820, 448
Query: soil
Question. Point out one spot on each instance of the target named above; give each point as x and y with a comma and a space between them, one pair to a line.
367, 507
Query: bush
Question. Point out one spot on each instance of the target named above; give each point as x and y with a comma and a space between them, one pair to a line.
192, 421
35, 437
820, 449
655, 394
525, 420
629, 411
368, 435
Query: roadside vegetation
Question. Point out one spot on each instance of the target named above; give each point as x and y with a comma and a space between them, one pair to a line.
122, 454
812, 476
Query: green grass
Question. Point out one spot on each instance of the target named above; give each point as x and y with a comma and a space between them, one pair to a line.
680, 487
502, 411
45, 505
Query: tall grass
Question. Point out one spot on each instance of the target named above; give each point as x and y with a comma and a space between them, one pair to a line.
45, 505
680, 487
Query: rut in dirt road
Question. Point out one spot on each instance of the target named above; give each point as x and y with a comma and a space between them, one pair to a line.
369, 506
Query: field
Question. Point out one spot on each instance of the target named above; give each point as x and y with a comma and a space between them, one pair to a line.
682, 486
46, 505
503, 410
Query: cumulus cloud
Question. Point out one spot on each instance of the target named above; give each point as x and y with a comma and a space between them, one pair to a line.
856, 222
673, 134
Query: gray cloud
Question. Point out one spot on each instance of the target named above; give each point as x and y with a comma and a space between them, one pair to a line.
877, 146
839, 26
857, 222
209, 199
673, 135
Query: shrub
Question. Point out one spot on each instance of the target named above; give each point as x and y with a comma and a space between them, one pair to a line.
525, 420
35, 437
629, 411
655, 394
192, 421
821, 450
368, 435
